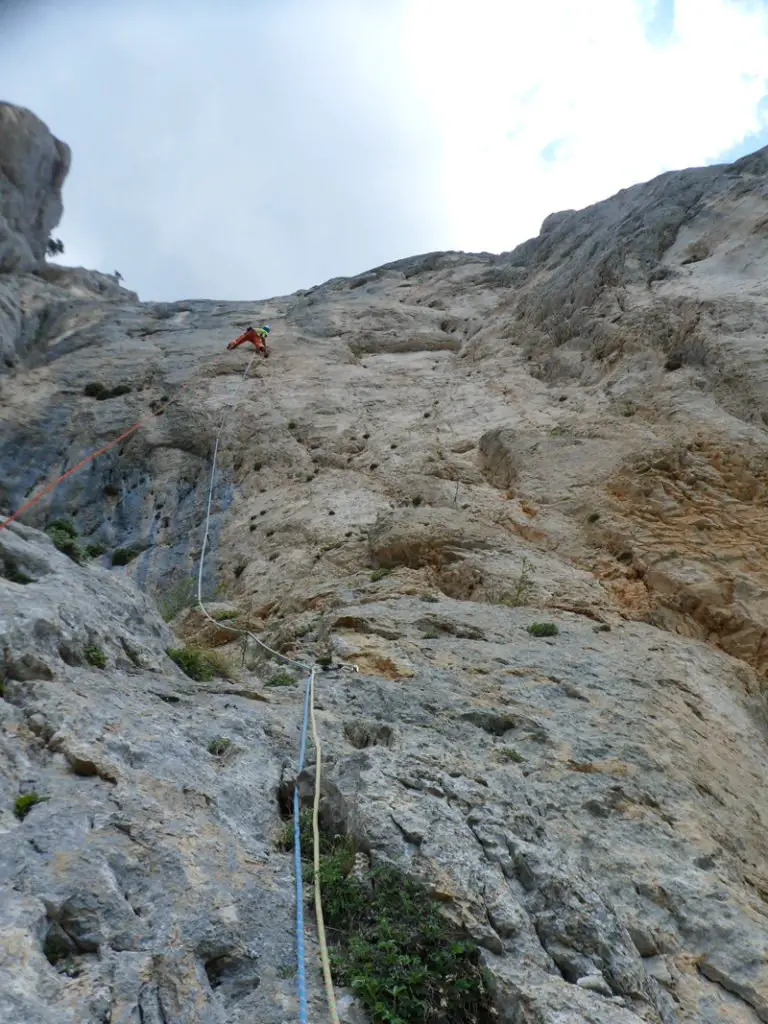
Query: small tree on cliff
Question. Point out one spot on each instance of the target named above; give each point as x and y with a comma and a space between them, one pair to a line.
55, 247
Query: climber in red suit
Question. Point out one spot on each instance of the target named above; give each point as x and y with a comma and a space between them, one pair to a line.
257, 337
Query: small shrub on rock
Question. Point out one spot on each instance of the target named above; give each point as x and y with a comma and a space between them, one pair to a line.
379, 574
219, 745
192, 663
16, 575
543, 629
24, 804
394, 949
101, 392
95, 550
95, 656
122, 556
281, 679
64, 536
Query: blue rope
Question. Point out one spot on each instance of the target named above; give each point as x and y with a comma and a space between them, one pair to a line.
301, 974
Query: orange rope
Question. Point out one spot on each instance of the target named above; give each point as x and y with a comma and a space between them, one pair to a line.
88, 458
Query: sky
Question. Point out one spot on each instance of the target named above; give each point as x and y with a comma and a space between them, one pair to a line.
249, 148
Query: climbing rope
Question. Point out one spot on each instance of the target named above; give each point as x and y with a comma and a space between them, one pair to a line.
324, 958
309, 713
309, 700
211, 485
301, 973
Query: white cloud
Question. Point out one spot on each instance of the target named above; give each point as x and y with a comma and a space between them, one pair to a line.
517, 78
250, 148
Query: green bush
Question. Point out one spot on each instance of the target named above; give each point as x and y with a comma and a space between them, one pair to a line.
219, 745
509, 754
394, 949
178, 597
122, 556
15, 575
101, 392
390, 943
281, 679
192, 663
95, 656
379, 574
24, 804
64, 536
543, 629
95, 550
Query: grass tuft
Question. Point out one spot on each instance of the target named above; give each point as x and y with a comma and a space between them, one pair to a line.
24, 804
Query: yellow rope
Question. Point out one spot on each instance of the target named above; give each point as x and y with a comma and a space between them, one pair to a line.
329, 993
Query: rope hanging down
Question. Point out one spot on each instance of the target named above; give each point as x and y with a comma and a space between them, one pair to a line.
309, 711
324, 958
301, 971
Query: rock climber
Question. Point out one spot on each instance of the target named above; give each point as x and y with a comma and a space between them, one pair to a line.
257, 337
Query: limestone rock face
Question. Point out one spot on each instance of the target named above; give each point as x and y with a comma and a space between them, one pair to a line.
520, 499
33, 166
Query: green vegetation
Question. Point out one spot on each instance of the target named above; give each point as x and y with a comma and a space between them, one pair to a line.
178, 597
281, 679
429, 598
220, 663
24, 804
226, 614
379, 574
543, 629
593, 517
95, 656
219, 745
192, 663
95, 550
122, 556
64, 536
431, 635
509, 754
391, 945
101, 392
15, 575
522, 587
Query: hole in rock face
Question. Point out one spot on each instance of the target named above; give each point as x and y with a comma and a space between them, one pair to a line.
57, 945
234, 975
369, 734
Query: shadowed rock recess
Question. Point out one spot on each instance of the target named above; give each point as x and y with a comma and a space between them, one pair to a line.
525, 494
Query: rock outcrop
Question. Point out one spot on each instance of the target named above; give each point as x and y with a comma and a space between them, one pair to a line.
523, 495
33, 166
